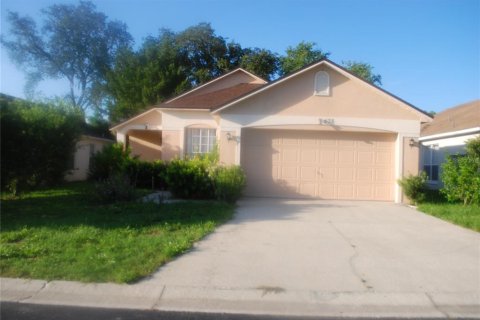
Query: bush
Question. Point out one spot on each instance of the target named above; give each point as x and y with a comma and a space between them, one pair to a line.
190, 178
461, 175
229, 183
145, 174
114, 159
414, 187
38, 142
115, 188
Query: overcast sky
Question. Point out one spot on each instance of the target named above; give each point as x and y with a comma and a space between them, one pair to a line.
427, 51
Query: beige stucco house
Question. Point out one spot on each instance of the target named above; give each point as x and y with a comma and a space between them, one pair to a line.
320, 132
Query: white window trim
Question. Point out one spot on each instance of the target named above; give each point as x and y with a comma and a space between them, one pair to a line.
208, 133
326, 77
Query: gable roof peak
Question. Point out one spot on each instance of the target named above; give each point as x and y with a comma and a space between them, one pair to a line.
263, 81
424, 115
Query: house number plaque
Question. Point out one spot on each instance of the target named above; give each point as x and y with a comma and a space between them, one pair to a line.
326, 122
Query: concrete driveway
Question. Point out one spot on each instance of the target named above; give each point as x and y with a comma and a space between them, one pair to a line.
328, 258
305, 258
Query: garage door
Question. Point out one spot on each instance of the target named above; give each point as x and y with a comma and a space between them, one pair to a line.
319, 164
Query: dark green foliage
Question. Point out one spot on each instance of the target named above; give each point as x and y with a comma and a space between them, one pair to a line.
152, 74
38, 141
97, 127
114, 159
229, 183
195, 178
260, 62
461, 175
301, 55
414, 187
206, 54
148, 175
115, 188
175, 62
75, 43
364, 71
190, 179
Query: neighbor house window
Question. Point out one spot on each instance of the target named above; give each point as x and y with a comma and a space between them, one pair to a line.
200, 141
430, 162
322, 83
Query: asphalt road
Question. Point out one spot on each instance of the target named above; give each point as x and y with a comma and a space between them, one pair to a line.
24, 311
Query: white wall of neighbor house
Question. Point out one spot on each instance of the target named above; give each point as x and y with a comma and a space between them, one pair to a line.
85, 148
436, 148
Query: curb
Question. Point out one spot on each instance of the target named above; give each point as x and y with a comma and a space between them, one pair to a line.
145, 296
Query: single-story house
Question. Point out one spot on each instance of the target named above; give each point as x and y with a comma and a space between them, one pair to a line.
319, 132
447, 135
86, 146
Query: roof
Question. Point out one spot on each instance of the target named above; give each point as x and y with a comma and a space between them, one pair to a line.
218, 100
215, 80
464, 116
213, 100
340, 69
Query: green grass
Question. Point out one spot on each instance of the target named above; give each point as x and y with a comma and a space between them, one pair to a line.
62, 234
465, 216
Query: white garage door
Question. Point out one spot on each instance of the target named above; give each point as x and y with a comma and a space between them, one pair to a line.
319, 164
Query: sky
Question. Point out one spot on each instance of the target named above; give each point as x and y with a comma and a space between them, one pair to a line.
427, 51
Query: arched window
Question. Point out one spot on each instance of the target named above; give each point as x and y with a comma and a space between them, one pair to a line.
322, 84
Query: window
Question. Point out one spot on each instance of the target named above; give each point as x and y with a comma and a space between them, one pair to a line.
322, 84
200, 141
430, 162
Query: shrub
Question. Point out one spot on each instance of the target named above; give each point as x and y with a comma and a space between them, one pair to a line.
145, 174
115, 188
414, 187
38, 142
114, 159
229, 183
461, 175
190, 178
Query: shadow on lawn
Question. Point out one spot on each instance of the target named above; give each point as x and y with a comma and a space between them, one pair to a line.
78, 208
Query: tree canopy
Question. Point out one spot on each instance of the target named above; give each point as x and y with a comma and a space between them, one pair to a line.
76, 43
301, 55
364, 71
174, 62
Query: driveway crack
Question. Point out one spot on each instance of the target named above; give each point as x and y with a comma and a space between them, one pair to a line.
157, 302
436, 306
351, 260
35, 293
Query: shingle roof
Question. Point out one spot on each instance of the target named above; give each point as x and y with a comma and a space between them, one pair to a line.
212, 100
464, 116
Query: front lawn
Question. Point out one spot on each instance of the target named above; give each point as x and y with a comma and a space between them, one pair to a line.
465, 216
61, 234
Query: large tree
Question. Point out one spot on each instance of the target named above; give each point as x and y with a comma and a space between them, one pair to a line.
76, 43
206, 54
145, 77
261, 62
299, 56
364, 71
174, 62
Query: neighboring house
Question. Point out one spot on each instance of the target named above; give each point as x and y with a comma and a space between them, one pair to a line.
85, 148
319, 132
447, 135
